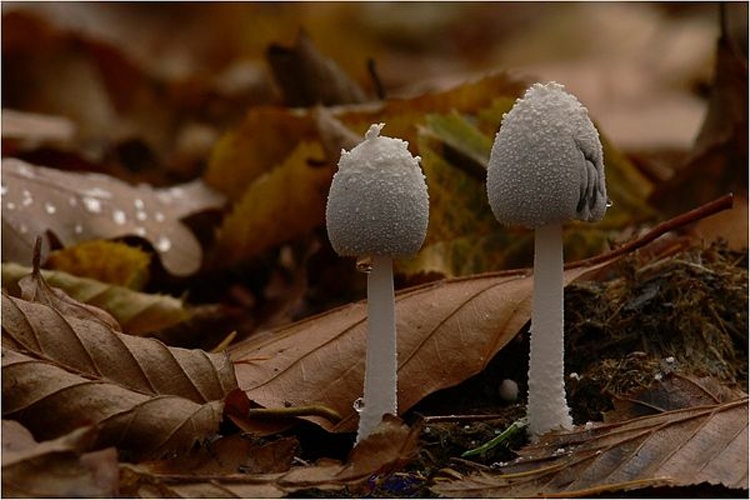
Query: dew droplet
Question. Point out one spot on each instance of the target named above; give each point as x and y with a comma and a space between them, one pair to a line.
4, 190
358, 405
119, 217
50, 208
140, 231
138, 203
163, 244
92, 205
73, 201
159, 217
141, 215
78, 229
98, 193
25, 171
23, 229
27, 198
609, 203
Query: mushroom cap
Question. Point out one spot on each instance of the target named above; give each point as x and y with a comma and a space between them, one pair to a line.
547, 164
378, 202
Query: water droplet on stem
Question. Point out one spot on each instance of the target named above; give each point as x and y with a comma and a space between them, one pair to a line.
358, 405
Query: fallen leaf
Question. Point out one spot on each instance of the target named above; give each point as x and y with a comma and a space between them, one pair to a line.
57, 468
36, 128
137, 313
307, 78
281, 205
673, 392
77, 207
391, 445
718, 162
261, 142
87, 344
676, 448
51, 401
448, 331
108, 261
236, 453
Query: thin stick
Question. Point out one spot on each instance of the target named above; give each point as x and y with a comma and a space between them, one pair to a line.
713, 207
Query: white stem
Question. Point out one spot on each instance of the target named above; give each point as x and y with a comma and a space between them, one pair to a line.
380, 360
547, 407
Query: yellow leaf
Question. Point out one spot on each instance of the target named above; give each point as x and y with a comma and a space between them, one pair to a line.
106, 261
262, 141
283, 204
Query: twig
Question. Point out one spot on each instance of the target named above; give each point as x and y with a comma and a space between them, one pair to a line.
713, 207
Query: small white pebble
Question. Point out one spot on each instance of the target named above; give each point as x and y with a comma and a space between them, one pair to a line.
669, 359
508, 390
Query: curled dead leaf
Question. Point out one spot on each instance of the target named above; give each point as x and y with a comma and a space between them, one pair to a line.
62, 467
138, 313
88, 346
51, 401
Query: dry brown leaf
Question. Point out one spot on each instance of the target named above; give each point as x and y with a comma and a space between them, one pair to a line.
719, 159
82, 341
676, 448
57, 468
307, 78
447, 332
391, 444
78, 207
673, 392
138, 313
51, 402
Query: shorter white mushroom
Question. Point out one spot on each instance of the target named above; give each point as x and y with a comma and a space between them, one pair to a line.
378, 207
547, 168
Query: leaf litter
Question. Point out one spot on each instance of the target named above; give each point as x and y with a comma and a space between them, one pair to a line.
627, 377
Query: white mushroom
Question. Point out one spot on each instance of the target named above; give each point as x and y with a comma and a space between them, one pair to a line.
378, 207
546, 168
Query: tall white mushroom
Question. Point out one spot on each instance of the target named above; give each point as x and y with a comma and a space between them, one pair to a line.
378, 207
546, 168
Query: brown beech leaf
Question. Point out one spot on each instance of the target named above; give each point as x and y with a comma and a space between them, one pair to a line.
391, 445
676, 448
447, 332
83, 342
51, 401
306, 77
673, 392
56, 468
51, 325
83, 206
138, 313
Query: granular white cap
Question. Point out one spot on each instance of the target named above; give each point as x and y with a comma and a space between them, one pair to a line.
546, 165
378, 202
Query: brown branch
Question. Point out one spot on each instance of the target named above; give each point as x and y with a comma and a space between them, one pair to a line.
713, 207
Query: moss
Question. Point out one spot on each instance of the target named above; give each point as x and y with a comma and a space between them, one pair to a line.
685, 313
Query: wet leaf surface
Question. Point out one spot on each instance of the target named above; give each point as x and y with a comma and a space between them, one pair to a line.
78, 207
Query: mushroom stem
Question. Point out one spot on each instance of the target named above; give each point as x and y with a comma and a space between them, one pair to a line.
547, 407
380, 362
